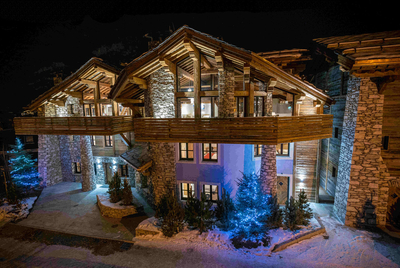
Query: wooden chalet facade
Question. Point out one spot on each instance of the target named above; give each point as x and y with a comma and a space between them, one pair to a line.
192, 101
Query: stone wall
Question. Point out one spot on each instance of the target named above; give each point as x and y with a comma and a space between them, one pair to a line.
226, 84
268, 169
88, 178
362, 173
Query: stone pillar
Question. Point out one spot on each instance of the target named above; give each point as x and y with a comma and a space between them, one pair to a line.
42, 165
52, 160
160, 103
226, 84
268, 173
88, 178
360, 164
65, 156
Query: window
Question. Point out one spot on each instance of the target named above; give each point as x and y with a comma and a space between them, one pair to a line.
108, 141
185, 78
29, 140
123, 170
106, 110
185, 151
95, 169
210, 152
258, 106
385, 142
282, 149
187, 188
209, 82
71, 109
185, 107
77, 166
93, 140
333, 172
257, 149
89, 109
209, 107
336, 132
124, 111
240, 106
211, 192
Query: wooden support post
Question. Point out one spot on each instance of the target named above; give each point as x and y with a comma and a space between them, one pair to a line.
96, 97
169, 66
125, 140
249, 87
220, 61
194, 54
114, 108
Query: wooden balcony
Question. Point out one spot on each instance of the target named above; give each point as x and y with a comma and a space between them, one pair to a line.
250, 130
109, 125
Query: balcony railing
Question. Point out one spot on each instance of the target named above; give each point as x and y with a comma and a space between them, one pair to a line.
247, 130
109, 125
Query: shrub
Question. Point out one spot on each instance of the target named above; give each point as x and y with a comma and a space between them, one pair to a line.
14, 195
225, 211
276, 217
291, 214
192, 210
305, 212
114, 189
171, 215
127, 196
199, 213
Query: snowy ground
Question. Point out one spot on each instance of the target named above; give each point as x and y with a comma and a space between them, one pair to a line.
10, 212
346, 247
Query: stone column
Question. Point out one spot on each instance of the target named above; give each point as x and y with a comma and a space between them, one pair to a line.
42, 165
226, 84
65, 156
268, 173
88, 178
52, 160
160, 103
360, 163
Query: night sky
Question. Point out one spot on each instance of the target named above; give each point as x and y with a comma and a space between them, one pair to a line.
40, 38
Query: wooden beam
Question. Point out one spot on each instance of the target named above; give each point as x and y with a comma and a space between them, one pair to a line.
317, 103
78, 95
194, 54
121, 100
382, 82
93, 83
185, 74
144, 167
191, 48
220, 61
125, 140
205, 62
57, 102
272, 82
168, 65
142, 83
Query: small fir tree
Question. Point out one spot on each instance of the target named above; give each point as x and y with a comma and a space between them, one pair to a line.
291, 214
171, 214
206, 214
276, 217
252, 211
225, 211
192, 210
114, 189
305, 212
24, 172
127, 196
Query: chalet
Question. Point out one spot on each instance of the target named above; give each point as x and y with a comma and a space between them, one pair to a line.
195, 112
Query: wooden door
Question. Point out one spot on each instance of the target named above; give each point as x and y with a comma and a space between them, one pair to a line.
283, 189
107, 172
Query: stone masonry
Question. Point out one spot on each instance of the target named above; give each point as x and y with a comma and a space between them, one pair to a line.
226, 84
160, 103
361, 172
88, 177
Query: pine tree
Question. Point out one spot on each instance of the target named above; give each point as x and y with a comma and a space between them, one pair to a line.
114, 188
291, 214
252, 209
305, 212
192, 210
24, 172
127, 196
276, 217
171, 214
206, 215
225, 210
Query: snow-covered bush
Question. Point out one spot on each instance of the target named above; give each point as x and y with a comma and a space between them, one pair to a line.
275, 220
199, 213
225, 211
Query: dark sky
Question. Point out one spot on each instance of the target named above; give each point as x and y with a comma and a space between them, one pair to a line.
41, 37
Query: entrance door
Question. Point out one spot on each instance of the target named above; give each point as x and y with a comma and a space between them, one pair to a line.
107, 172
283, 189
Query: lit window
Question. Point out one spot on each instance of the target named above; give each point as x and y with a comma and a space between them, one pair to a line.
258, 106
123, 170
211, 192
209, 82
282, 149
187, 188
106, 110
257, 149
108, 141
185, 107
93, 140
185, 151
210, 152
77, 166
89, 110
240, 106
209, 107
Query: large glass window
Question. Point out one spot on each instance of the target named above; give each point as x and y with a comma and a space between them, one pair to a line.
108, 141
258, 106
282, 149
186, 151
209, 82
210, 152
211, 192
257, 149
185, 75
89, 109
209, 107
106, 110
124, 111
185, 107
187, 188
240, 106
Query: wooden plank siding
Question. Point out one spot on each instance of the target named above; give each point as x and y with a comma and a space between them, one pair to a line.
391, 127
306, 154
98, 125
